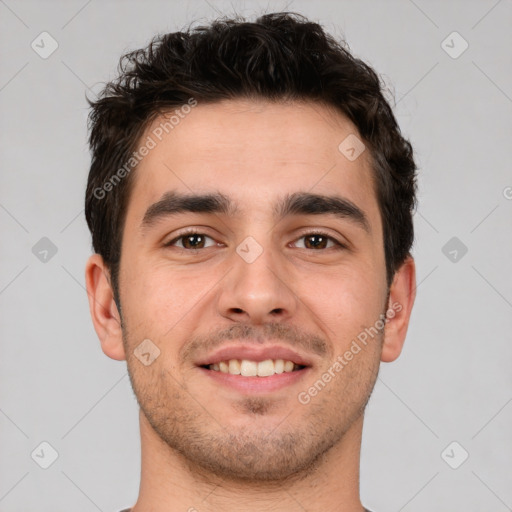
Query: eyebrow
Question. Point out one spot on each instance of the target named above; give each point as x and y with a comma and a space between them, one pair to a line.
304, 203
173, 203
298, 203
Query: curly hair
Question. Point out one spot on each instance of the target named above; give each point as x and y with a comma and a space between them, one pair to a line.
279, 57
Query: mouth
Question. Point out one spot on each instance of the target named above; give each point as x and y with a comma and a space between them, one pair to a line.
252, 379
250, 368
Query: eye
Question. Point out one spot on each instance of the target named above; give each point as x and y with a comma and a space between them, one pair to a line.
319, 241
191, 240
196, 240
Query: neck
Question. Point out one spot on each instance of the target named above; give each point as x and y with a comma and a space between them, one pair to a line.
168, 479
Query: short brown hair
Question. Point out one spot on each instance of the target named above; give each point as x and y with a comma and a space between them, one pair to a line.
280, 56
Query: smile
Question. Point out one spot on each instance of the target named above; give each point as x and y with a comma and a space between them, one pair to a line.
248, 368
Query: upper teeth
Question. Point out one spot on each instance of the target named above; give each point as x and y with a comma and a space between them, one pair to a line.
248, 368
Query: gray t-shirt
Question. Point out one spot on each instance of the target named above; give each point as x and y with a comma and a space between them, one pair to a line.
129, 509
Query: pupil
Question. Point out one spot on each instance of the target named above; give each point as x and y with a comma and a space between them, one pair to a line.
319, 243
191, 237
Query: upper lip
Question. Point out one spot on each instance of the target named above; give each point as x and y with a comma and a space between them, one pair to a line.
253, 353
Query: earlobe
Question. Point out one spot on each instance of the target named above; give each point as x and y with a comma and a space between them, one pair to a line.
103, 309
401, 300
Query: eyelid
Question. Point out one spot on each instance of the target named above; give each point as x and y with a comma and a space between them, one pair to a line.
189, 231
302, 234
324, 232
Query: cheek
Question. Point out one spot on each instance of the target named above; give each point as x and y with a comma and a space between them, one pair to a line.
345, 302
157, 297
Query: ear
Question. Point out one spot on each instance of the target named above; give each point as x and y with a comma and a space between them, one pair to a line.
104, 313
401, 299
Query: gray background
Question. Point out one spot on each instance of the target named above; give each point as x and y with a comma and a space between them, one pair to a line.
453, 381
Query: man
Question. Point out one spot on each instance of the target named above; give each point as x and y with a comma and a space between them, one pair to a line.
250, 201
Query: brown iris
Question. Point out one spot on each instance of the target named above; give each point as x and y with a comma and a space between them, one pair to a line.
321, 241
198, 241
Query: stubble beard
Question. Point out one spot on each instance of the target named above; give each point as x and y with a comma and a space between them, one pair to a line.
290, 451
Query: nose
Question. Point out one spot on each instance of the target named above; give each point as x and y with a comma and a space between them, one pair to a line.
258, 291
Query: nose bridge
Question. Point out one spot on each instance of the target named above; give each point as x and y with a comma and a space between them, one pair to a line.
257, 287
255, 267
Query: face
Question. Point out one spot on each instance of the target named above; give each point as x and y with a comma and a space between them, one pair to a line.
280, 258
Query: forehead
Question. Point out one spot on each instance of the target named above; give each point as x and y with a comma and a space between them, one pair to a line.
254, 152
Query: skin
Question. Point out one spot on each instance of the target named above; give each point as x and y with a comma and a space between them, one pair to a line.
206, 447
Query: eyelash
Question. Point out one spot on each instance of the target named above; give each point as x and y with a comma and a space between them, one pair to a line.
337, 245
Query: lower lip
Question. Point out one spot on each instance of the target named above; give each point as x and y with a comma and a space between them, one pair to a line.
256, 384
